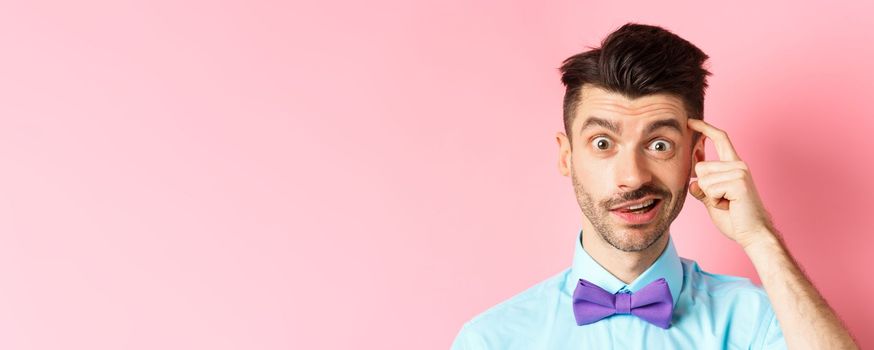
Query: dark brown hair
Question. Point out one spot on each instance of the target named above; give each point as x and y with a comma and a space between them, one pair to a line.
637, 60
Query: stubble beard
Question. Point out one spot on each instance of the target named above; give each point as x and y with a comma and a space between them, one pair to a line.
599, 215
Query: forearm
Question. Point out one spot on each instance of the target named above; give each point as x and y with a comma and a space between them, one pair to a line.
806, 319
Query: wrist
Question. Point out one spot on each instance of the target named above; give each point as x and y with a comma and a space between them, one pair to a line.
761, 238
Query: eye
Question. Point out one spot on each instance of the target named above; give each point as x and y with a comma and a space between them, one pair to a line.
661, 146
601, 143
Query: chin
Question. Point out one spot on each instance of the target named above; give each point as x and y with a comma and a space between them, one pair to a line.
632, 240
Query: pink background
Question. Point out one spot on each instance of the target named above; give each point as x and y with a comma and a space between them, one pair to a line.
259, 175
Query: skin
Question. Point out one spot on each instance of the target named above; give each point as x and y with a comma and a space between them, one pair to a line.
727, 190
634, 165
630, 168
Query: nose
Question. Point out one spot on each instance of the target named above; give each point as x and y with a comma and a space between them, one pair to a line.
631, 170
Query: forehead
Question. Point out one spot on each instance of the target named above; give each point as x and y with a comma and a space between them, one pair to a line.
595, 101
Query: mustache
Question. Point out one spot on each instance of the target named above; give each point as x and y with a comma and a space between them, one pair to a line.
635, 195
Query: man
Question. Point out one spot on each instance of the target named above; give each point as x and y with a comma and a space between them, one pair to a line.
633, 112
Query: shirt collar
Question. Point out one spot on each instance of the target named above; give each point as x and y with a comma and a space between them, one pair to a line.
668, 265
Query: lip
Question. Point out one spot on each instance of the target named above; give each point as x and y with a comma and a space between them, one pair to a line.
628, 204
639, 218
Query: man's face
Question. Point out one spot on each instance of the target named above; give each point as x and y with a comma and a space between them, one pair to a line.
629, 152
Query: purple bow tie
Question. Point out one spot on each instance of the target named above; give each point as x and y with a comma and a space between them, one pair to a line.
653, 303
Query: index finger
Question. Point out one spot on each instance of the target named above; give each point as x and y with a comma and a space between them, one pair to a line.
720, 139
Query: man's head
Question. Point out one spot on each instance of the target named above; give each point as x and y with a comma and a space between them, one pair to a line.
625, 110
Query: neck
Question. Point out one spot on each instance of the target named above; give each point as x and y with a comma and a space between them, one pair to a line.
626, 266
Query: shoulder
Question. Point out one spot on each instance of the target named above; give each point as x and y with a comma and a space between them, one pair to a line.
515, 318
704, 283
734, 302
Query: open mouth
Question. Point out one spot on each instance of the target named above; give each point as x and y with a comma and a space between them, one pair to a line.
641, 208
640, 213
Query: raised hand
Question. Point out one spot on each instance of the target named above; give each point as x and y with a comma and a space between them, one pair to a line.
726, 188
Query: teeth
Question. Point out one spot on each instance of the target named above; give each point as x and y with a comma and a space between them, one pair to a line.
647, 203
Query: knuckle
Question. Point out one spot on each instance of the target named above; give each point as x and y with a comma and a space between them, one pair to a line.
742, 186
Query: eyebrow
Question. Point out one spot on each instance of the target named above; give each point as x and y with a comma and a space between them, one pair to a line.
664, 123
617, 129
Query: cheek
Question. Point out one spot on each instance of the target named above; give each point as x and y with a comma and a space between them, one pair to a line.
673, 172
592, 177
677, 174
590, 173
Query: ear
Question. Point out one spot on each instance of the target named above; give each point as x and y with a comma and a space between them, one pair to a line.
697, 153
564, 154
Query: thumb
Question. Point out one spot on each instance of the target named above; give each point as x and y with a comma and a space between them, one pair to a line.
697, 192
